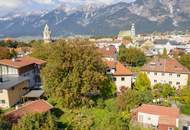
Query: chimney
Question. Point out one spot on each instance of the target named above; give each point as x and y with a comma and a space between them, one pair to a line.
16, 107
14, 59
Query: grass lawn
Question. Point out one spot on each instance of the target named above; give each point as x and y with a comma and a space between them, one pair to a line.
185, 109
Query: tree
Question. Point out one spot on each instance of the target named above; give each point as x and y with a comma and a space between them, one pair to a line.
36, 121
4, 125
122, 54
165, 54
184, 95
142, 82
4, 53
185, 60
74, 73
135, 57
163, 90
40, 50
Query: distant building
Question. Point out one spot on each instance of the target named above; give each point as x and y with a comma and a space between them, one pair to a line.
108, 53
25, 66
47, 34
11, 90
121, 75
127, 33
157, 117
38, 106
168, 71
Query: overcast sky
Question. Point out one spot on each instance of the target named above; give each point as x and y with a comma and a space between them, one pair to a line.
7, 6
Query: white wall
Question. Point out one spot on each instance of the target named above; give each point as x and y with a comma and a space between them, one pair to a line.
126, 83
148, 119
170, 78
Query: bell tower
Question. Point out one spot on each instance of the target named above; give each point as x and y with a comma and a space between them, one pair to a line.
47, 34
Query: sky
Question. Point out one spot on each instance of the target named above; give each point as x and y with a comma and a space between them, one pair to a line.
7, 6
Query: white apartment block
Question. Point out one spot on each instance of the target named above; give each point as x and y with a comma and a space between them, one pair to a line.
167, 71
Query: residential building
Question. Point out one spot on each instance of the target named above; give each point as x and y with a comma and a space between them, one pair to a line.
158, 117
12, 89
108, 53
38, 106
168, 71
25, 67
121, 75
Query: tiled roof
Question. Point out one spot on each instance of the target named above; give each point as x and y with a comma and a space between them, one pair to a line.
21, 62
159, 110
107, 51
165, 65
119, 68
166, 120
38, 106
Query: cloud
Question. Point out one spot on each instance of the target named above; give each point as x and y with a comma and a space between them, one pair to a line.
44, 1
10, 3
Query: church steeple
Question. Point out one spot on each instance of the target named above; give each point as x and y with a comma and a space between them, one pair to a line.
133, 33
47, 34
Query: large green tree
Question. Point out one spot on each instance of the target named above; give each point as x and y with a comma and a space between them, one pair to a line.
41, 50
185, 60
74, 73
142, 82
122, 54
4, 53
36, 121
135, 57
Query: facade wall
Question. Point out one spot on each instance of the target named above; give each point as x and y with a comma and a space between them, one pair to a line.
11, 96
122, 81
166, 127
174, 79
4, 99
148, 119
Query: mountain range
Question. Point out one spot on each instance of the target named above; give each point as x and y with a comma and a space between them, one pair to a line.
93, 19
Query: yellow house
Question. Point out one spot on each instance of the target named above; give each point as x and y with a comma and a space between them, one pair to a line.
11, 90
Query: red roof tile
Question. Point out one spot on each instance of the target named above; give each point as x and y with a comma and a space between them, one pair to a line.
119, 68
21, 62
38, 106
159, 110
107, 51
165, 65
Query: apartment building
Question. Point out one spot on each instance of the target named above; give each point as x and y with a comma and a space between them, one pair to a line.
25, 66
168, 71
12, 89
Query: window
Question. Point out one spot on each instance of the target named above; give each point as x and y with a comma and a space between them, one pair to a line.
163, 74
148, 72
177, 83
170, 82
155, 73
170, 74
2, 101
178, 75
170, 129
122, 79
1, 91
108, 70
155, 81
149, 118
114, 79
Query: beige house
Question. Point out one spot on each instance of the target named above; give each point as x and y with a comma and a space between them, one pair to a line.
121, 75
168, 71
11, 90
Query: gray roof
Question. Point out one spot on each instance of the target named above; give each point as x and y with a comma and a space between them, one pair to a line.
165, 41
11, 81
34, 94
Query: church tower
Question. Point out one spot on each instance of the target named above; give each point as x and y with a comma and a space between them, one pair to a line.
47, 34
133, 33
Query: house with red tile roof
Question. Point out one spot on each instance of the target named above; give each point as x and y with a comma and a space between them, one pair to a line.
24, 66
168, 71
38, 106
158, 117
108, 53
122, 76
